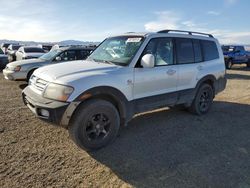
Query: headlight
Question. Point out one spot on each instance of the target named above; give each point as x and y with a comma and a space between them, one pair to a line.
17, 68
58, 92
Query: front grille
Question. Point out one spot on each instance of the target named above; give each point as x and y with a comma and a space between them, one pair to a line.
38, 83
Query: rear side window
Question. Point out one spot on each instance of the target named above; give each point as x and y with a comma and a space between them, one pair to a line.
210, 51
197, 51
34, 50
185, 52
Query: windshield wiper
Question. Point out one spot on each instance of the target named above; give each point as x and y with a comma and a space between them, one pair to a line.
108, 62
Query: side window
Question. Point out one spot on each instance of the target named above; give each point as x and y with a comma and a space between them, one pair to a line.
162, 49
197, 51
185, 52
83, 54
68, 55
210, 51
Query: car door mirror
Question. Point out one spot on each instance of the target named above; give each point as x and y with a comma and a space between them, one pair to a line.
58, 58
148, 61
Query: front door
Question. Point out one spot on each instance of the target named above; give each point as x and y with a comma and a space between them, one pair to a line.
157, 85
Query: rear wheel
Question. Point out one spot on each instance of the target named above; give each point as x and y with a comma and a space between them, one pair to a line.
203, 100
95, 124
229, 64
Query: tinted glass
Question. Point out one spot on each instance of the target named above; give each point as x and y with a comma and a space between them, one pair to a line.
15, 47
83, 54
197, 51
210, 51
162, 49
1, 51
68, 55
185, 52
239, 48
34, 50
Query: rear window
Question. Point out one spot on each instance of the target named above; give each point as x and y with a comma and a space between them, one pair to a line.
210, 51
15, 47
185, 52
33, 50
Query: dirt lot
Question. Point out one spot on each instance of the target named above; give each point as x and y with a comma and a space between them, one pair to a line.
167, 148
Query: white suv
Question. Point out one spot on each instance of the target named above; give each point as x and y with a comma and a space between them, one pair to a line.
125, 75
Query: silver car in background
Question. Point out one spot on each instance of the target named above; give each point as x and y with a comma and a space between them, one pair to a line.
29, 52
22, 70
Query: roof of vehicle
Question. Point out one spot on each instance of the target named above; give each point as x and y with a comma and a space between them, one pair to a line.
181, 33
31, 47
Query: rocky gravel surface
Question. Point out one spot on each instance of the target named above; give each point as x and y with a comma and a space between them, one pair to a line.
163, 148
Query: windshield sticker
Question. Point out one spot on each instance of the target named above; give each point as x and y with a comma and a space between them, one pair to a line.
133, 40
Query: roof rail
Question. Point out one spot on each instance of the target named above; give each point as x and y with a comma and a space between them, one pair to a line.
189, 32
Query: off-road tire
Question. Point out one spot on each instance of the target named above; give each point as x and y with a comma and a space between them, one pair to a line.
79, 128
203, 100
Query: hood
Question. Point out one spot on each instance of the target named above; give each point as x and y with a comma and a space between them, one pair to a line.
25, 62
53, 72
34, 54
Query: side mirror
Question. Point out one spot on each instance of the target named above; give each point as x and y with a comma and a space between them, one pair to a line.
58, 58
148, 61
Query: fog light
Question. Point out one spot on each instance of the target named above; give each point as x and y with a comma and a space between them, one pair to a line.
44, 112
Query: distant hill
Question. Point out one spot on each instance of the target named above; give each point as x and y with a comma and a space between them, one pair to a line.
61, 43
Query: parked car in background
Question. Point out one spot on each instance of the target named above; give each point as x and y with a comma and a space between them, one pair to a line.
4, 46
126, 75
3, 59
22, 70
29, 52
47, 47
11, 52
235, 55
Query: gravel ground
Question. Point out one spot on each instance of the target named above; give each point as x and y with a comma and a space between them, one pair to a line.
164, 148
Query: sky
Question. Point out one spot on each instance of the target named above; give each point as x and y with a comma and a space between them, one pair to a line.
94, 20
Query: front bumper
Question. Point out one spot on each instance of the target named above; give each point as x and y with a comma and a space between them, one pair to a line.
38, 105
12, 75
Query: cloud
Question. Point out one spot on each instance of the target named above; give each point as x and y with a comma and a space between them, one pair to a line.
165, 20
214, 13
173, 20
230, 2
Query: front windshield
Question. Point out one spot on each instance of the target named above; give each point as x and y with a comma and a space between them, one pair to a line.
50, 55
117, 50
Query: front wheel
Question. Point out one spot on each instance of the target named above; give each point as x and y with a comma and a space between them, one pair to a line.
95, 124
29, 75
203, 100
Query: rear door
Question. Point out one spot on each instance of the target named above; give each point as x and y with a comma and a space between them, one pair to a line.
189, 60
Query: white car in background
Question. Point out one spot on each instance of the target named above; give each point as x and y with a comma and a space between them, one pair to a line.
29, 52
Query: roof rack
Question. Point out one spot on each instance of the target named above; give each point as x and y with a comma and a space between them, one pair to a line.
189, 32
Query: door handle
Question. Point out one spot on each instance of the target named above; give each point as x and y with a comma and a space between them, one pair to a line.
200, 67
171, 72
